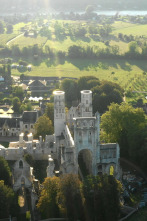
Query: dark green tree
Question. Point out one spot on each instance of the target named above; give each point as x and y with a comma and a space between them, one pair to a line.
102, 198
5, 173
49, 111
127, 126
7, 199
16, 104
43, 127
47, 204
105, 94
70, 197
70, 88
9, 28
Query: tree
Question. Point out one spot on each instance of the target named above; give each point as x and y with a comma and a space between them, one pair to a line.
70, 88
133, 49
106, 93
87, 82
70, 197
47, 203
127, 126
15, 50
89, 9
102, 197
43, 127
5, 173
16, 104
1, 27
49, 111
18, 92
9, 28
7, 198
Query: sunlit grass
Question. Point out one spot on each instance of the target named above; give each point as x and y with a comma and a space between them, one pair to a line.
28, 41
4, 38
129, 29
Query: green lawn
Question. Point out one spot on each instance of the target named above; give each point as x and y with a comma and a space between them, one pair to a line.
4, 38
129, 29
64, 44
23, 41
126, 73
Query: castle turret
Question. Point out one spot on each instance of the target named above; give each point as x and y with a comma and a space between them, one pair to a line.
59, 112
86, 103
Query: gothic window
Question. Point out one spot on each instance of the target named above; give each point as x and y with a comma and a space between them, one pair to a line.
20, 164
111, 170
100, 168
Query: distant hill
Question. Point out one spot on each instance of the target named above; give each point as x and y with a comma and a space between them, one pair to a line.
5, 5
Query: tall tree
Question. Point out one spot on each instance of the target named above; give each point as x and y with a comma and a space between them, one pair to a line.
70, 197
127, 126
7, 200
43, 127
105, 94
5, 173
16, 104
47, 203
102, 194
70, 88
49, 111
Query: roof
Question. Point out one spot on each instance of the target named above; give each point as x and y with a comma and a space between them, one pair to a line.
29, 117
37, 83
11, 122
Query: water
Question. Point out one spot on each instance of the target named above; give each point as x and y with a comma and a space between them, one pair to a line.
112, 13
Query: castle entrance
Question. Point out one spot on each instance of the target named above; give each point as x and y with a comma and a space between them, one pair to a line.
85, 162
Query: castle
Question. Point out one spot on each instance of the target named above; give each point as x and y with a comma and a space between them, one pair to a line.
63, 148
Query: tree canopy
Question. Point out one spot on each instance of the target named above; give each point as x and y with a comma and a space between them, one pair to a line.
6, 200
96, 198
5, 173
47, 203
43, 127
127, 126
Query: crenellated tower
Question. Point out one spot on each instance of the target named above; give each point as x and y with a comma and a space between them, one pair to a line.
59, 112
86, 103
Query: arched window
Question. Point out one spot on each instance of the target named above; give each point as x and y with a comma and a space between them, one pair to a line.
111, 170
20, 164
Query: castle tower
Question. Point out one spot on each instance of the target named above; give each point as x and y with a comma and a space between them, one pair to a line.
86, 103
59, 112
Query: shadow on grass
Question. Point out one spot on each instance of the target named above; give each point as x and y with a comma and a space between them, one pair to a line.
84, 38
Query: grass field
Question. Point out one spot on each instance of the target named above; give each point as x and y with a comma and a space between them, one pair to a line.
67, 42
28, 41
129, 29
4, 38
126, 73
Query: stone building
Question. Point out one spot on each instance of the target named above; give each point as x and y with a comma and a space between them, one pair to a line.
13, 126
70, 144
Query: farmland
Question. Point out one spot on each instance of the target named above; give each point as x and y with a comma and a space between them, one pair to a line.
126, 72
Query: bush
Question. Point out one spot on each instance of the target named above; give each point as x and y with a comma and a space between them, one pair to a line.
24, 63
